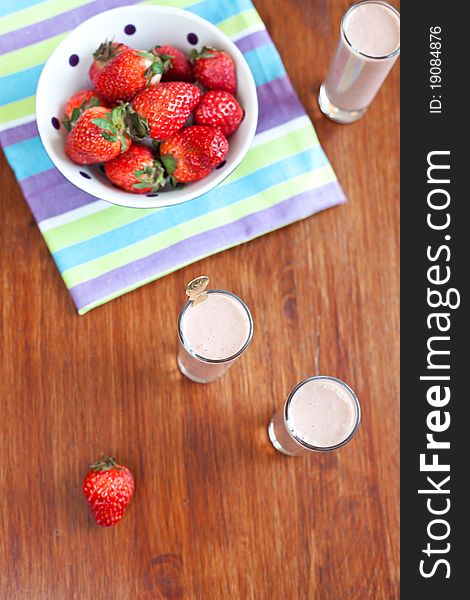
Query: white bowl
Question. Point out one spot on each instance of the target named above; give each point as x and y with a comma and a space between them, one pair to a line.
140, 27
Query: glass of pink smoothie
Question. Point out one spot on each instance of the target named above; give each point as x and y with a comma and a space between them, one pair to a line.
320, 414
212, 334
368, 46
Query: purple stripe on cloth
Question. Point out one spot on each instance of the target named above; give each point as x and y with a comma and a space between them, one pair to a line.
49, 194
254, 40
212, 241
18, 134
55, 25
278, 103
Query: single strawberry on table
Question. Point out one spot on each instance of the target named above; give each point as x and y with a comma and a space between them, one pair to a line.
136, 171
219, 109
162, 110
77, 104
108, 488
192, 153
102, 55
214, 69
99, 135
180, 67
129, 73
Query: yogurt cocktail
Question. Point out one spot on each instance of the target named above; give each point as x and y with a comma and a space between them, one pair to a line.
368, 47
321, 413
212, 335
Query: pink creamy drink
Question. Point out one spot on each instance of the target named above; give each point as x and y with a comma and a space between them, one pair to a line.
321, 413
368, 47
212, 335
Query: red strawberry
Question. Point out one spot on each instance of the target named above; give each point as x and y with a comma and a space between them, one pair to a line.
77, 104
193, 153
104, 53
162, 110
136, 171
129, 73
108, 488
180, 67
214, 69
99, 135
219, 109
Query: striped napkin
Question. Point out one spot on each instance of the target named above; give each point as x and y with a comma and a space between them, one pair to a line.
103, 251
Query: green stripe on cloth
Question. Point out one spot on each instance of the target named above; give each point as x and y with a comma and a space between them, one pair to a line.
234, 25
115, 216
17, 110
29, 56
217, 218
172, 3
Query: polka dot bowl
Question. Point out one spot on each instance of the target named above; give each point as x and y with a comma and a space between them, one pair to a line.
140, 27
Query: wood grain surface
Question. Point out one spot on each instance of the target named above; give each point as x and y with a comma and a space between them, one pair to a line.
218, 514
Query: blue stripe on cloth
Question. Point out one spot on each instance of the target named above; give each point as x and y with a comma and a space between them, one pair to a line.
215, 12
166, 218
28, 158
265, 63
19, 85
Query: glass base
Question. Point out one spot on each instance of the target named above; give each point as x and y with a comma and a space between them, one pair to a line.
335, 113
190, 376
274, 442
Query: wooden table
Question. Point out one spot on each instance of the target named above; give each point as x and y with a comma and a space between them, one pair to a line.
218, 514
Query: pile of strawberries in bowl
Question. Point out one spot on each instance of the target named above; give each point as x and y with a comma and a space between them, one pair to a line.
154, 118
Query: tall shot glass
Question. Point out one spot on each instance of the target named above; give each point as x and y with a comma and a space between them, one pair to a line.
320, 414
367, 49
215, 327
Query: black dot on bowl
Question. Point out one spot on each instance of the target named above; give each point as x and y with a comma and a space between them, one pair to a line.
83, 174
221, 164
74, 60
55, 123
129, 29
151, 195
102, 168
192, 38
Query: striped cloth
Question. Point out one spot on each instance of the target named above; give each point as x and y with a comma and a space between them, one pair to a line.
103, 251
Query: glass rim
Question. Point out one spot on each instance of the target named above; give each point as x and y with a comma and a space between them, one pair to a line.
215, 361
343, 31
347, 439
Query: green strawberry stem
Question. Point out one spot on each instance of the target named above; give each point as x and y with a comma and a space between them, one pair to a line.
138, 126
76, 113
106, 51
206, 52
105, 464
113, 126
158, 64
150, 177
169, 162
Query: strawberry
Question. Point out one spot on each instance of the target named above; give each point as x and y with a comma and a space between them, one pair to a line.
214, 69
102, 55
108, 488
162, 110
136, 171
193, 153
219, 109
98, 136
180, 67
129, 73
77, 104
